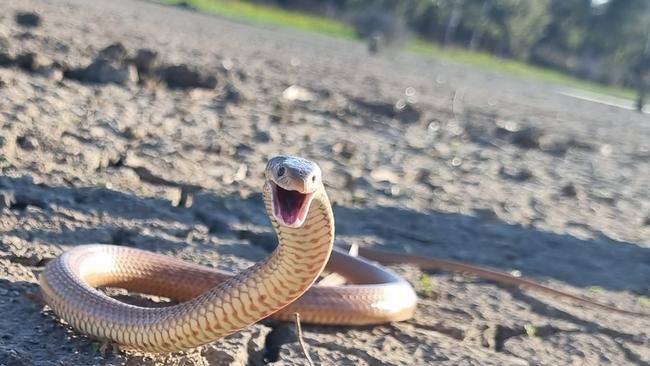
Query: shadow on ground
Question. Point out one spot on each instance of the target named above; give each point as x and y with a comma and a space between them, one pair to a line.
602, 261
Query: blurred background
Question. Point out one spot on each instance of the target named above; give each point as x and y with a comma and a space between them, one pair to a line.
505, 133
603, 41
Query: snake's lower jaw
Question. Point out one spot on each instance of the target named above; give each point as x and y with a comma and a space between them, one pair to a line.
290, 208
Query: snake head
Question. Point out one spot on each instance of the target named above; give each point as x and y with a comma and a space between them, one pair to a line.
292, 183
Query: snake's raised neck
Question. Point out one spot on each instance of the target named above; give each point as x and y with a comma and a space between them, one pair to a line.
300, 212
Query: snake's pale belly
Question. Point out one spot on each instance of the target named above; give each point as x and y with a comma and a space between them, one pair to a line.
212, 303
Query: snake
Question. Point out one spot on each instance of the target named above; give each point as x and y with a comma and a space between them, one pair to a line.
211, 304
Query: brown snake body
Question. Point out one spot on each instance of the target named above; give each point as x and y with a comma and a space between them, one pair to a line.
214, 303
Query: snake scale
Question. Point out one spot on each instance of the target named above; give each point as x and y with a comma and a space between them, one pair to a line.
213, 303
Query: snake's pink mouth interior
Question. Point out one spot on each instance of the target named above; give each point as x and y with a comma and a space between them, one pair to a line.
290, 207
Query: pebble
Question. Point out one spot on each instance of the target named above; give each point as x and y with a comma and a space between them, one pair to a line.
298, 93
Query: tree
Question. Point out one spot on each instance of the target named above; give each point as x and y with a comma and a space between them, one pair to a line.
618, 37
522, 24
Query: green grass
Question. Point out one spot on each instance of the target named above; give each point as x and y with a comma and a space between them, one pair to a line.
644, 300
426, 286
531, 330
512, 67
595, 289
242, 10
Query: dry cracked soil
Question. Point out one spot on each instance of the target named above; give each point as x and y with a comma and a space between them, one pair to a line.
144, 125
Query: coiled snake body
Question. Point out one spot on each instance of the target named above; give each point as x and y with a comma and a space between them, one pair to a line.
213, 303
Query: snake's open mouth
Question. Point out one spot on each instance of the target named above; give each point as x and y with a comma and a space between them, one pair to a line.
290, 207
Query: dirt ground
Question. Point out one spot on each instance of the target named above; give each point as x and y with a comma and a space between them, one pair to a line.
164, 151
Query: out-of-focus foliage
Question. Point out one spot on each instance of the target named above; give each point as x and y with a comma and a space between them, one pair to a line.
619, 37
599, 40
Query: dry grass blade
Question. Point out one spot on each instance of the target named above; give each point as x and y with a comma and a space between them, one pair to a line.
303, 346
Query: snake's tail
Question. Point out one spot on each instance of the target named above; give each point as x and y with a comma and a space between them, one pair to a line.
429, 263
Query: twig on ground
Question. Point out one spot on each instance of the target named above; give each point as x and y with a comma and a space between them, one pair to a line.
303, 346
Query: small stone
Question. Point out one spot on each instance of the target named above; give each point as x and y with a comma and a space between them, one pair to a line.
241, 173
28, 19
298, 93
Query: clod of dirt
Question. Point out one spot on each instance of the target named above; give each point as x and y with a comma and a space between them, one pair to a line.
527, 138
115, 52
421, 175
232, 94
108, 67
28, 19
31, 61
134, 133
27, 142
401, 110
183, 77
103, 71
145, 60
406, 112
490, 335
262, 136
559, 145
570, 190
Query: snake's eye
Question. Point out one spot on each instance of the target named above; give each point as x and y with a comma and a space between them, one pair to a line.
281, 171
313, 178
